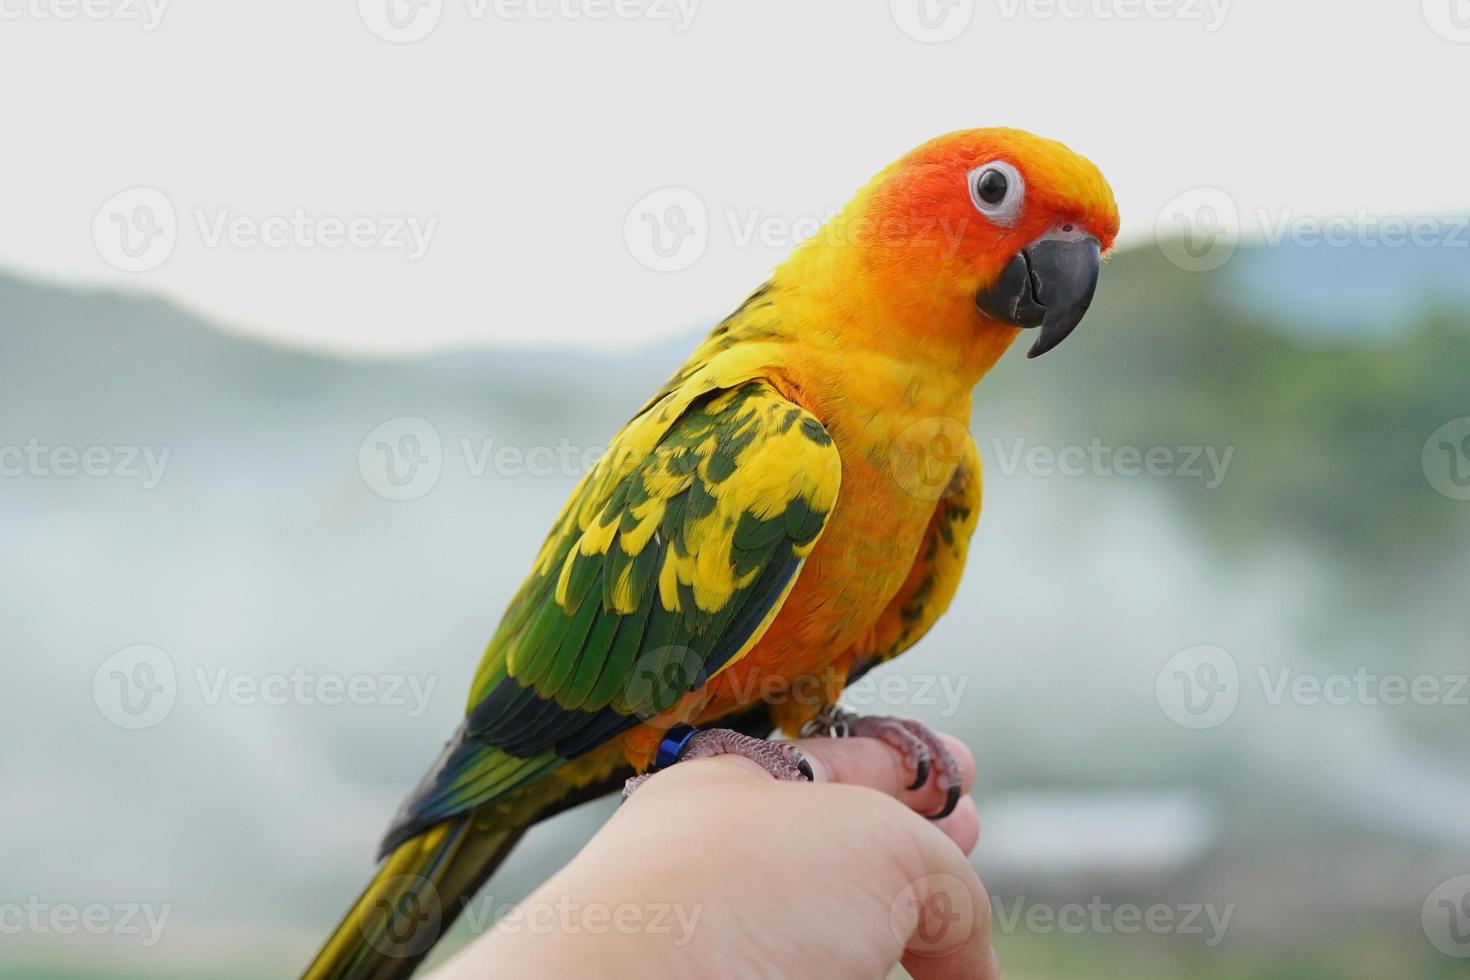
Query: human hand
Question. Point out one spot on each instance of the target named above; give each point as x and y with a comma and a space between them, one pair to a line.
759, 878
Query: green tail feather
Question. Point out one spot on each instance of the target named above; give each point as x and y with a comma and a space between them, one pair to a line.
412, 901
425, 882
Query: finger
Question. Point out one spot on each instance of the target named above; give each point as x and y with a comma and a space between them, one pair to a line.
962, 826
926, 968
874, 763
943, 918
712, 771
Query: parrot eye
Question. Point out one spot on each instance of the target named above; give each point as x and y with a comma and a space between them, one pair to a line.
992, 186
997, 189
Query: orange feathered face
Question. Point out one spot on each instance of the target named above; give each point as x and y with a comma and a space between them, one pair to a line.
1014, 224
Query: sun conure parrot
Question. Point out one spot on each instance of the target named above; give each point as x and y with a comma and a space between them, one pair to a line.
793, 507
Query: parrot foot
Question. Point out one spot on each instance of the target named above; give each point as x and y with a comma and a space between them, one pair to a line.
781, 759
922, 749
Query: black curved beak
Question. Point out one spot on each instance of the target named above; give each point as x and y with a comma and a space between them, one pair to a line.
1048, 284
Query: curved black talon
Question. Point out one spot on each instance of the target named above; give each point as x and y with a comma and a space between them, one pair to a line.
949, 804
921, 772
805, 768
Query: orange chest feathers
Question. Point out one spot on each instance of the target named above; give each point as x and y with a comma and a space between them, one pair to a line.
854, 572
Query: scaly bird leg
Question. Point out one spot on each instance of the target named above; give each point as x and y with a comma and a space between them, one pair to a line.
922, 749
781, 759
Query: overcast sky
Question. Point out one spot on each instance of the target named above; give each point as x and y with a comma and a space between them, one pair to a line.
440, 172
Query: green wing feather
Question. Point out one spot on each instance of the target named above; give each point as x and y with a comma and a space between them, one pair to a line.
665, 567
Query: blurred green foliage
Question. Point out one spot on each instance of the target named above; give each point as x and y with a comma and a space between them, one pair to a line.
1328, 426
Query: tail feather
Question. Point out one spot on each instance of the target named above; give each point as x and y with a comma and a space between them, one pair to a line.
412, 901
423, 883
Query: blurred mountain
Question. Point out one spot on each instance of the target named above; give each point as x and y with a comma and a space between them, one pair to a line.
274, 540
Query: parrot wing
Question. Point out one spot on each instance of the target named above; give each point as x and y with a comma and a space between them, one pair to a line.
668, 563
935, 576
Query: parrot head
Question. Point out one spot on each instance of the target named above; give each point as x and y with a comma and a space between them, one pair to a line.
975, 237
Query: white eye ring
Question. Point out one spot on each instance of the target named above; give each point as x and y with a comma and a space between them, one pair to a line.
1008, 208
